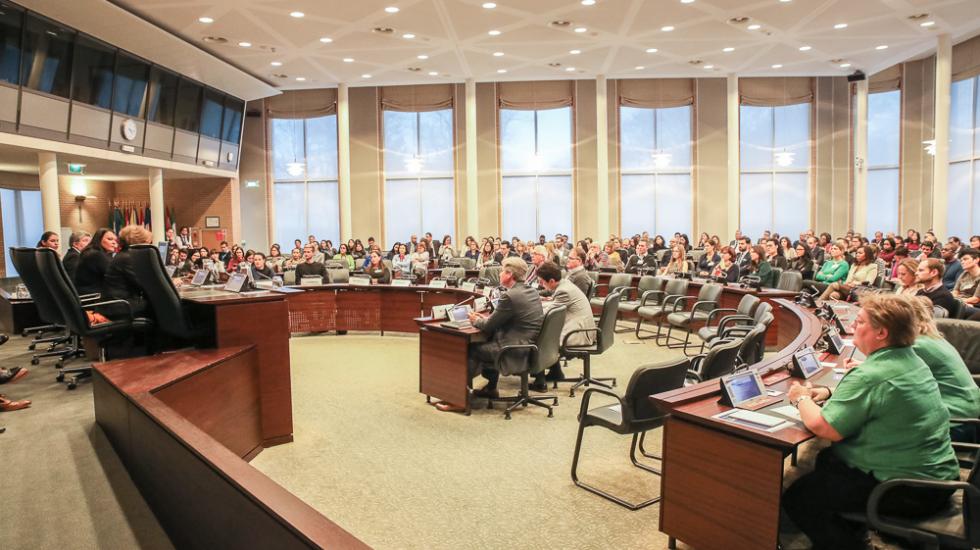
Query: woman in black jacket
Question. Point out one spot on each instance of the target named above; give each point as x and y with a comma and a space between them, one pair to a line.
94, 261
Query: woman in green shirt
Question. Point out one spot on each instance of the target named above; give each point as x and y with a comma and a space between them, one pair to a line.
344, 257
759, 267
835, 269
886, 420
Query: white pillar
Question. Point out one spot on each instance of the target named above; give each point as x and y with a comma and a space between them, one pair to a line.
157, 216
940, 164
732, 172
472, 173
47, 169
343, 161
602, 159
860, 218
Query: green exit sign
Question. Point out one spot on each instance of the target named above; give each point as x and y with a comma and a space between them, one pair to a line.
76, 169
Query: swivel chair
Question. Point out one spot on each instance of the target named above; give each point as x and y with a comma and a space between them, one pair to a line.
617, 282
645, 284
161, 293
720, 360
745, 308
605, 337
704, 303
633, 413
654, 304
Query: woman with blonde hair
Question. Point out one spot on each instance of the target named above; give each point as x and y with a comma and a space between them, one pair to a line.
678, 261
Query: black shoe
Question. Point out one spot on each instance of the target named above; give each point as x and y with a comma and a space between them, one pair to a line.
538, 386
6, 375
3, 339
555, 375
486, 393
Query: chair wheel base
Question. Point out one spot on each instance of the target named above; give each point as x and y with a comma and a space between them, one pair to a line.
35, 361
60, 377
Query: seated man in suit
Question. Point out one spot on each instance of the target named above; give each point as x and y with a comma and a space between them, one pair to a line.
76, 243
515, 320
641, 260
504, 252
743, 258
538, 255
309, 267
576, 271
578, 316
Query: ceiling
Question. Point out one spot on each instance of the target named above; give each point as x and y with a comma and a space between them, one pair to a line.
23, 160
614, 42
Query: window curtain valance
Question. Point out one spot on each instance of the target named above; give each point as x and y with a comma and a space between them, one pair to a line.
775, 91
656, 93
302, 103
530, 96
421, 98
966, 59
887, 80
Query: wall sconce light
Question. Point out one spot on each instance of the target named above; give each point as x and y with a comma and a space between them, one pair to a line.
80, 190
252, 184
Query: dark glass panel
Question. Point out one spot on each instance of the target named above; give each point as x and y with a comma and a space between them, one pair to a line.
92, 73
163, 96
211, 114
46, 63
11, 19
130, 92
232, 126
188, 106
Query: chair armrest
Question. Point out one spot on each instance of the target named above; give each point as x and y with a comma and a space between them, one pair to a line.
696, 362
693, 375
584, 409
679, 301
734, 319
730, 333
648, 293
564, 341
700, 305
92, 296
914, 535
974, 421
127, 308
515, 347
717, 311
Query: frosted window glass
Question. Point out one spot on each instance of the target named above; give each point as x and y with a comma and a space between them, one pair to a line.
555, 138
674, 135
792, 134
791, 213
958, 196
755, 127
756, 204
321, 147
402, 214
961, 119
436, 133
882, 201
30, 214
324, 210
554, 206
673, 204
636, 137
519, 208
287, 146
884, 128
290, 212
638, 208
400, 142
438, 207
516, 140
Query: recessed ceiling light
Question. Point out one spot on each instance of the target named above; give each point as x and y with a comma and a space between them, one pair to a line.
276, 63
639, 67
777, 66
574, 52
205, 20
588, 2
805, 48
489, 5
408, 36
844, 65
421, 56
754, 27
728, 49
494, 32
687, 1
365, 76
326, 40
433, 73
581, 29
709, 67
882, 47
785, 1
245, 44
569, 69
300, 79
652, 50
501, 71
927, 23
498, 54
840, 26
348, 60
667, 28
297, 14
392, 9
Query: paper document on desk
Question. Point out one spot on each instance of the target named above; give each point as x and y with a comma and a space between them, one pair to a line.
788, 411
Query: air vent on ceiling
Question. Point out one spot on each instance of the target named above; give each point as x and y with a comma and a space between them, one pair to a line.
415, 69
554, 64
560, 23
215, 39
918, 16
383, 30
695, 62
738, 20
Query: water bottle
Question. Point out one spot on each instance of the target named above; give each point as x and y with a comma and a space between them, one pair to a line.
277, 282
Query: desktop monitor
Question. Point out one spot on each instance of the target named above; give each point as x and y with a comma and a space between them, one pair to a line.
742, 387
805, 363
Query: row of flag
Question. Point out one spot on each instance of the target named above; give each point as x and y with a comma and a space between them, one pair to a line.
122, 215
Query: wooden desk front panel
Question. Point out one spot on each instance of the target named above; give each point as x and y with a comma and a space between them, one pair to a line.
442, 366
312, 311
719, 490
399, 308
359, 309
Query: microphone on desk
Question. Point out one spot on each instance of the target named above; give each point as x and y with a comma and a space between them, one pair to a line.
463, 302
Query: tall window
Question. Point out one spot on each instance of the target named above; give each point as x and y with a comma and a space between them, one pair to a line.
884, 133
304, 170
775, 168
22, 220
536, 166
655, 159
963, 212
419, 191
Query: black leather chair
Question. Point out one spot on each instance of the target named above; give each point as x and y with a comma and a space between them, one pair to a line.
705, 302
605, 337
720, 360
790, 280
655, 304
545, 352
965, 337
746, 307
121, 321
161, 293
633, 413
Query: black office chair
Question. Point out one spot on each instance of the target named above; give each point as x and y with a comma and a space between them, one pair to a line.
617, 281
161, 293
605, 337
453, 275
491, 273
632, 413
75, 313
965, 337
720, 360
746, 306
65, 346
654, 304
545, 352
644, 285
704, 303
753, 344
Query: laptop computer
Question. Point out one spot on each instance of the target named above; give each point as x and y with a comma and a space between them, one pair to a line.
805, 363
459, 317
746, 391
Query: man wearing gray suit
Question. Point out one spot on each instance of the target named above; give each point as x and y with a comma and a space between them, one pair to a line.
576, 272
578, 316
516, 319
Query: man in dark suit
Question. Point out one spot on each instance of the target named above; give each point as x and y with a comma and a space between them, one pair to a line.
505, 252
76, 242
744, 259
641, 260
578, 318
225, 254
515, 320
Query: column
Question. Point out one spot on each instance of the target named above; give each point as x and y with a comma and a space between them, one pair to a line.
733, 160
940, 164
860, 213
343, 161
157, 216
47, 169
472, 174
602, 159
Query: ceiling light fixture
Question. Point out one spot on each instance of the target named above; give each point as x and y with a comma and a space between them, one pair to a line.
927, 23
639, 67
709, 67
652, 50
754, 27
276, 63
297, 14
392, 9
245, 44
493, 32
728, 49
785, 1
326, 40
498, 54
840, 26
569, 69
501, 71
844, 65
777, 66
805, 48
365, 76
882, 47
588, 2
667, 28
408, 36
433, 73
574, 52
205, 20
421, 56
300, 79
489, 5
348, 60
581, 29
687, 1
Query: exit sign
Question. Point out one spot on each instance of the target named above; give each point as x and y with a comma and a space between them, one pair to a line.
76, 169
